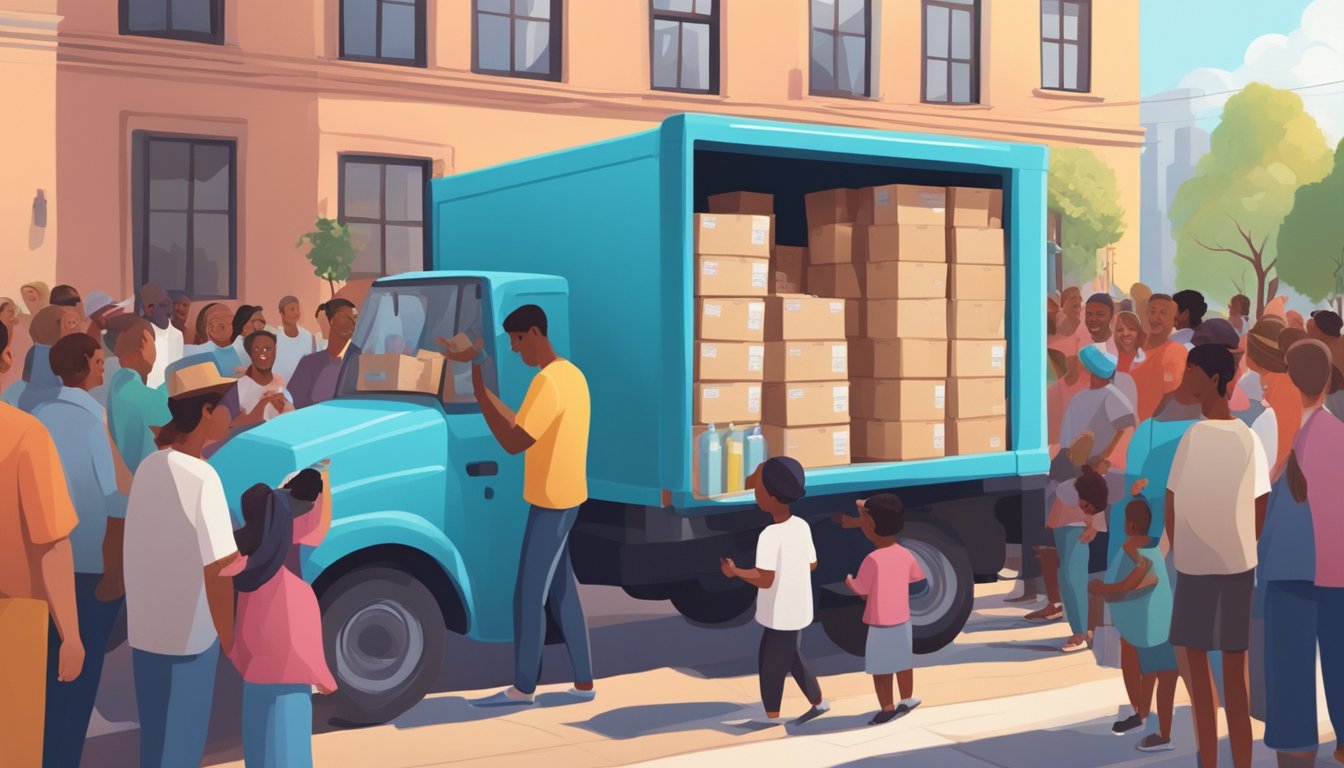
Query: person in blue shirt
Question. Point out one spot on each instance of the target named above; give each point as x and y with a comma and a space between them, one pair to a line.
134, 409
76, 423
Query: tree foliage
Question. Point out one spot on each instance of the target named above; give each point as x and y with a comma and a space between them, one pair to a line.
330, 251
1226, 217
1083, 190
1311, 240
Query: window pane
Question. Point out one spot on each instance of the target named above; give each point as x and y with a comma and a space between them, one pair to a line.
823, 14
532, 47
191, 15
695, 56
704, 6
853, 55
405, 249
823, 62
1070, 21
537, 9
961, 35
405, 185
935, 80
167, 263
492, 47
1049, 65
666, 43
961, 83
362, 184
367, 240
498, 6
147, 15
210, 262
852, 16
211, 178
935, 31
681, 6
1050, 19
168, 175
361, 24
398, 31
1071, 66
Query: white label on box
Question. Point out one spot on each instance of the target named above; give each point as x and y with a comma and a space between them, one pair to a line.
837, 307
792, 306
755, 358
760, 229
753, 399
713, 310
711, 393
883, 197
756, 316
839, 358
760, 275
796, 394
709, 350
709, 268
795, 351
939, 436
938, 282
995, 442
939, 396
708, 222
840, 442
840, 399
996, 356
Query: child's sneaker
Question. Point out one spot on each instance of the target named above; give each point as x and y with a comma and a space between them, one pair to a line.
907, 705
1154, 742
816, 711
1130, 723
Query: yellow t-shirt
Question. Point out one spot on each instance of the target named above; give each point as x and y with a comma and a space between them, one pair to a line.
555, 414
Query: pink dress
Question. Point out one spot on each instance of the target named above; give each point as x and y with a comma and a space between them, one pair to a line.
278, 628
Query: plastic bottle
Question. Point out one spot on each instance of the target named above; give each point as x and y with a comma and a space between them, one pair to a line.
754, 453
733, 479
711, 463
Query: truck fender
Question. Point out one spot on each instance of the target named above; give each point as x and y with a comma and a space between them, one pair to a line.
350, 535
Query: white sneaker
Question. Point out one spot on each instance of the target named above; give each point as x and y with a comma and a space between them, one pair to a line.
582, 695
509, 697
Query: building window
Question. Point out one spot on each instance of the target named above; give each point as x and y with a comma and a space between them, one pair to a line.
952, 51
185, 208
200, 21
842, 33
384, 31
382, 201
518, 38
686, 45
1066, 45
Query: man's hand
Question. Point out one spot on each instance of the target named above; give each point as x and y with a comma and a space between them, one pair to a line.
728, 567
1102, 467
1138, 487
1088, 535
1096, 587
849, 582
108, 589
71, 661
458, 354
325, 691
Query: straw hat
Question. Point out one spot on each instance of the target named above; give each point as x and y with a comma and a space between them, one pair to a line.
199, 379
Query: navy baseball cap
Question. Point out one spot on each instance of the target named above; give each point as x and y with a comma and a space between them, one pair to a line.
783, 479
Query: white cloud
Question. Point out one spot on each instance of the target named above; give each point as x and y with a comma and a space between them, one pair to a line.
1313, 53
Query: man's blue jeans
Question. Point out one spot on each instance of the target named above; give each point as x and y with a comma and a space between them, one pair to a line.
70, 705
546, 582
1298, 616
174, 695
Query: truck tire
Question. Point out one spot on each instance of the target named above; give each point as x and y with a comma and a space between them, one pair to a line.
704, 605
384, 636
649, 591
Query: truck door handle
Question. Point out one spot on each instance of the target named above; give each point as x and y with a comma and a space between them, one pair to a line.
482, 469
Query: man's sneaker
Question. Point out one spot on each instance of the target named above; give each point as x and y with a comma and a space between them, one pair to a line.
509, 697
816, 711
1130, 723
583, 695
1154, 742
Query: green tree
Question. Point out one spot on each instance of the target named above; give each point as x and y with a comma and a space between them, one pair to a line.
1226, 217
330, 251
1311, 240
1083, 191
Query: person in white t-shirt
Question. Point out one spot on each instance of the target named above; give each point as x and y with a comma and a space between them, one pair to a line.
785, 559
168, 342
178, 540
292, 341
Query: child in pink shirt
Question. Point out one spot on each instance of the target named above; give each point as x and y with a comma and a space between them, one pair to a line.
887, 578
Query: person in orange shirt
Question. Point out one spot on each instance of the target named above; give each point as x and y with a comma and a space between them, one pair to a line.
1160, 373
37, 576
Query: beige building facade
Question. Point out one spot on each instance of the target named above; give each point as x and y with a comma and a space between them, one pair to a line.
191, 142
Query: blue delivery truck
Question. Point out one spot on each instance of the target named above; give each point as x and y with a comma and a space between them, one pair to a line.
428, 507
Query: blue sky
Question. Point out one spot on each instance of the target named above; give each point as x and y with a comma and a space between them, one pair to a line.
1181, 35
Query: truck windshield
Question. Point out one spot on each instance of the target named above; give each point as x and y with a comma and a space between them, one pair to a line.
394, 349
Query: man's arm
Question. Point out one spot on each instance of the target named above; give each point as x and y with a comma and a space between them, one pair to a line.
58, 578
1171, 519
219, 596
755, 577
113, 583
1261, 509
499, 417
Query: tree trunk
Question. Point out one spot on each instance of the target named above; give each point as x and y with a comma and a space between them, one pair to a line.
331, 286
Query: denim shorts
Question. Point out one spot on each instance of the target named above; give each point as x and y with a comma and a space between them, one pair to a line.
889, 650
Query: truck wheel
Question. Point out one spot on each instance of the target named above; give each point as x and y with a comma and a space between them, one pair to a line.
384, 636
703, 605
649, 591
940, 611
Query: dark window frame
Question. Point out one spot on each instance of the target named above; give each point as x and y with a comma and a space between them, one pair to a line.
142, 209
712, 19
383, 161
214, 37
836, 52
556, 21
949, 60
1083, 43
419, 60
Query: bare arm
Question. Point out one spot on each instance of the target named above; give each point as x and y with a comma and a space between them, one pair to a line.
1171, 519
1115, 441
58, 579
113, 583
219, 596
499, 417
1261, 509
124, 475
1140, 578
755, 577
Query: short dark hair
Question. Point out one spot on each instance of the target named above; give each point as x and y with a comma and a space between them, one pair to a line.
1243, 302
1138, 510
122, 325
888, 513
252, 339
287, 301
1102, 298
64, 296
4, 338
1214, 360
1091, 488
1192, 302
242, 317
306, 485
782, 478
186, 411
70, 356
330, 308
1329, 322
525, 318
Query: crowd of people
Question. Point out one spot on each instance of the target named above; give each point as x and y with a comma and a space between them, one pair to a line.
1193, 509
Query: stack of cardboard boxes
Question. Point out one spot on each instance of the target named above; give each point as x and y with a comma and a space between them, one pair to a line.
977, 404
806, 400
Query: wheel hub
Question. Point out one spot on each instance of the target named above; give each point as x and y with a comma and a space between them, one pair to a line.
938, 599
379, 647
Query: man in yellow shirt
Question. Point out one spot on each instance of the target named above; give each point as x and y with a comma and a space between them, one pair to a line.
551, 431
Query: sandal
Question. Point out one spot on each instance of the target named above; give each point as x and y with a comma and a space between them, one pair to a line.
1073, 646
1046, 615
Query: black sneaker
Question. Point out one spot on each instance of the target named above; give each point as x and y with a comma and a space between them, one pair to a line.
1130, 723
884, 717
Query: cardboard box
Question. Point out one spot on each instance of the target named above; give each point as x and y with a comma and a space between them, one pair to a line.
856, 321
393, 372
837, 281
790, 260
996, 208
732, 234
898, 399
730, 320
729, 361
781, 286
976, 398
906, 318
804, 318
903, 204
905, 280
969, 206
977, 319
898, 359
723, 403
731, 276
971, 436
975, 246
901, 440
832, 206
805, 404
813, 447
978, 358
904, 242
831, 244
750, 203
789, 361
978, 282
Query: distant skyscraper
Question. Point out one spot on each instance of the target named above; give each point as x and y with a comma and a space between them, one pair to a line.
1173, 146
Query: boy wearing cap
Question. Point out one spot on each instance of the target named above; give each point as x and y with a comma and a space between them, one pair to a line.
785, 559
1098, 316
